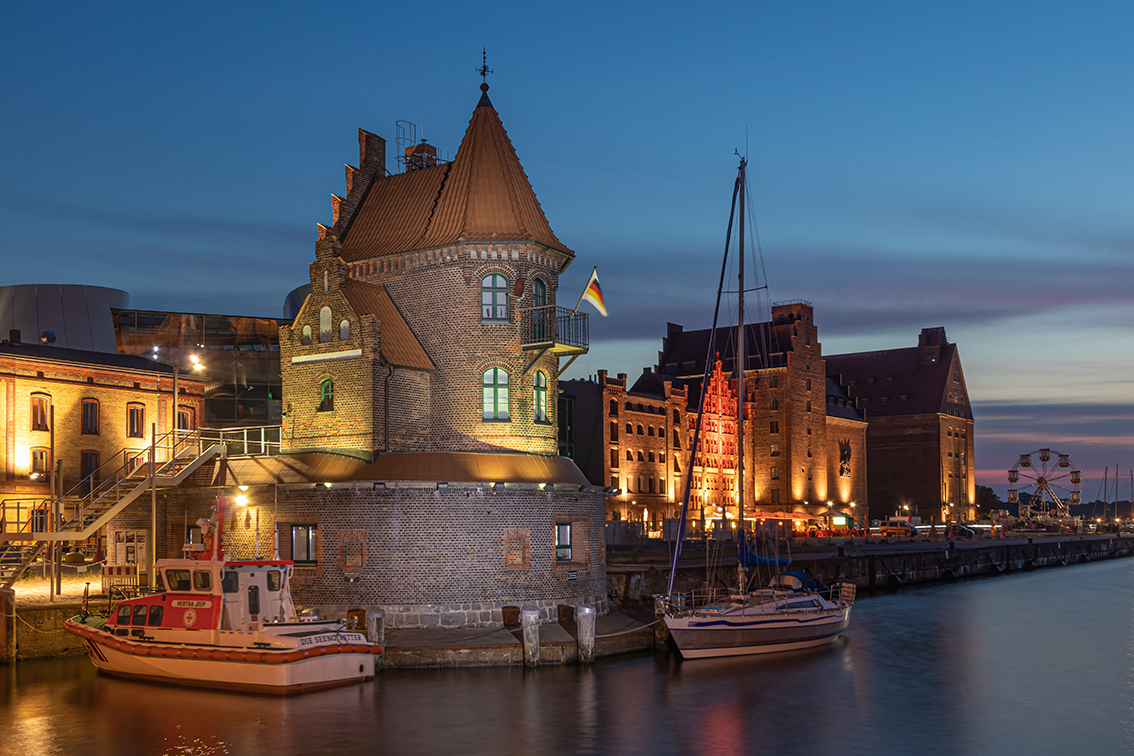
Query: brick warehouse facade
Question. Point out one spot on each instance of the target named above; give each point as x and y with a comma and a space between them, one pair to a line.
805, 441
104, 407
920, 432
418, 449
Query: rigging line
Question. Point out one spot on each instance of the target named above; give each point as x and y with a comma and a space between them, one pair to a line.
701, 399
758, 250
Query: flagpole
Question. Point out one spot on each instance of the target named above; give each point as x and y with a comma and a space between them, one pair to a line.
585, 289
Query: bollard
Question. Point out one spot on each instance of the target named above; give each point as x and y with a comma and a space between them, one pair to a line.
529, 619
585, 620
376, 633
7, 626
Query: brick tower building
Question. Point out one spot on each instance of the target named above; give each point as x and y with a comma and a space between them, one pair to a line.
418, 467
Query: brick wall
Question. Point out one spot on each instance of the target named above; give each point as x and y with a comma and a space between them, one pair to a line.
428, 557
67, 385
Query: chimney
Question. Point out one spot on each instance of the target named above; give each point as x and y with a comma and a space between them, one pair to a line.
14, 336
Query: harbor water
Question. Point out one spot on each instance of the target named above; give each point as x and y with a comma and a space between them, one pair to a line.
1028, 663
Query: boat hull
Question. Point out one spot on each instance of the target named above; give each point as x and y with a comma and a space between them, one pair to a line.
701, 637
230, 668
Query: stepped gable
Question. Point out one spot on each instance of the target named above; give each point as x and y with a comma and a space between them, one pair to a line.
482, 196
399, 345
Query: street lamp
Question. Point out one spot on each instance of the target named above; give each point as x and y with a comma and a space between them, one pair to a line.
195, 364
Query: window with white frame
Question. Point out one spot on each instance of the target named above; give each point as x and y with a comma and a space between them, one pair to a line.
563, 542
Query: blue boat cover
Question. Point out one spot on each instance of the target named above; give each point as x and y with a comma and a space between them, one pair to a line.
749, 558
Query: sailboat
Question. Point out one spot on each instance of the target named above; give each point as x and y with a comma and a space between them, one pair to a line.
785, 616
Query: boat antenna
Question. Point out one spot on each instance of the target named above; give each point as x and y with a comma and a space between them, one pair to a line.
701, 401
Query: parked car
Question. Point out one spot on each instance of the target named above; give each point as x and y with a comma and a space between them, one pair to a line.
956, 530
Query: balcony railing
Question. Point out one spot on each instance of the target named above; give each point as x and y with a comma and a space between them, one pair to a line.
556, 328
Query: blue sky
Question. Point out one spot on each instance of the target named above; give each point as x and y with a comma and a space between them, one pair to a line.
968, 165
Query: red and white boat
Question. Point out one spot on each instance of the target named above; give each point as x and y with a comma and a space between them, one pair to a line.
225, 624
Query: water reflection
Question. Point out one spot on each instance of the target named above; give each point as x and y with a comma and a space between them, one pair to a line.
1032, 663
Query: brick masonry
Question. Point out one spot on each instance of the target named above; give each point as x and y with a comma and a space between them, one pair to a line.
451, 557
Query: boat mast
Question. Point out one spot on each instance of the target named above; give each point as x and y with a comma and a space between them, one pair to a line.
701, 400
740, 573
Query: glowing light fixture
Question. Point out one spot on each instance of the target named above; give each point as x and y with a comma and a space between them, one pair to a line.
241, 500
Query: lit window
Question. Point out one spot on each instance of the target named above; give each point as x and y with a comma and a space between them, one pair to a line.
775, 450
90, 417
40, 461
40, 411
303, 543
326, 396
136, 421
494, 383
324, 325
563, 542
494, 297
540, 398
775, 472
186, 418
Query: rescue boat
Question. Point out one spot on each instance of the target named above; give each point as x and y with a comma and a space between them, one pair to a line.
222, 623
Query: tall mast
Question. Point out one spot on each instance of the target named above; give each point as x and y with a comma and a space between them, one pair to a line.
740, 381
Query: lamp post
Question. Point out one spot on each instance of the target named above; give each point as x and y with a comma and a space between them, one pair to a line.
197, 365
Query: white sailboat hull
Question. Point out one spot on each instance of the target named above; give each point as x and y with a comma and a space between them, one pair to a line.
700, 636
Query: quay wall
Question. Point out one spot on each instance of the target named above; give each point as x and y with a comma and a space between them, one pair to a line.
39, 631
878, 567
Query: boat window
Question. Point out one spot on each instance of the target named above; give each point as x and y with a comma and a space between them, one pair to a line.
140, 612
230, 583
123, 617
178, 580
159, 582
274, 581
155, 615
253, 599
202, 581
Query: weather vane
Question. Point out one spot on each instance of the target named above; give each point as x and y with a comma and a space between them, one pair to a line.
484, 70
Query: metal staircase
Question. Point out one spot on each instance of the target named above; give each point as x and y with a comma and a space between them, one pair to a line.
86, 508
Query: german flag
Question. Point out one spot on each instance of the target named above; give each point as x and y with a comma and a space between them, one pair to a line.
593, 293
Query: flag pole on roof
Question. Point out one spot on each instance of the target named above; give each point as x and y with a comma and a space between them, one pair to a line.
592, 292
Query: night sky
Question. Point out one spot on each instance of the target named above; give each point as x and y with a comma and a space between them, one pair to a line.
966, 165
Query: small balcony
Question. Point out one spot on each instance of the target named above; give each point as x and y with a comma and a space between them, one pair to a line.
554, 329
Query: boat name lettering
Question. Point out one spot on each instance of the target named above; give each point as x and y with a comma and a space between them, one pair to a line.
191, 604
318, 639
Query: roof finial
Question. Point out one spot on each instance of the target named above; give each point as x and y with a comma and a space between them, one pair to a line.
484, 70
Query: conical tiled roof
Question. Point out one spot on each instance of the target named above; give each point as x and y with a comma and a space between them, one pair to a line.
482, 196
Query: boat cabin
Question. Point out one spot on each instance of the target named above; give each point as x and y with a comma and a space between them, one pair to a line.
213, 595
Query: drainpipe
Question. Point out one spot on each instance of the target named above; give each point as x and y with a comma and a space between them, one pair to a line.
386, 409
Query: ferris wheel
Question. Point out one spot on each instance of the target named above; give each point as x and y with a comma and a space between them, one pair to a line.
1040, 479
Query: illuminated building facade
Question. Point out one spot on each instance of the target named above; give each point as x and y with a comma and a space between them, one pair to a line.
419, 468
104, 408
804, 439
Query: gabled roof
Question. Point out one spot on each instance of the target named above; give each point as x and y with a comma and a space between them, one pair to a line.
398, 343
482, 196
685, 351
897, 381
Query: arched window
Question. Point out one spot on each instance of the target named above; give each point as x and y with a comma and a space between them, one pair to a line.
344, 330
40, 411
324, 325
640, 431
494, 383
650, 431
629, 429
494, 297
614, 408
540, 317
629, 455
306, 335
640, 457
539, 388
326, 395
